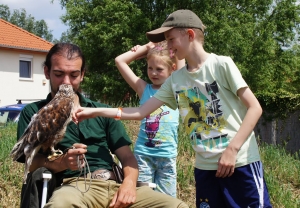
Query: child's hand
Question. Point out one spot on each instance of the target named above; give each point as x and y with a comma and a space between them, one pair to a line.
150, 45
226, 163
134, 48
81, 113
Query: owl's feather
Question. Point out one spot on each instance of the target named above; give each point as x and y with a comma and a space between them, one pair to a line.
46, 128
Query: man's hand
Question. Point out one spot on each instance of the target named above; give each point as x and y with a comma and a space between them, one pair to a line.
73, 159
66, 161
226, 163
125, 196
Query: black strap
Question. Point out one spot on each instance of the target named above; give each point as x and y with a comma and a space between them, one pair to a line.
118, 171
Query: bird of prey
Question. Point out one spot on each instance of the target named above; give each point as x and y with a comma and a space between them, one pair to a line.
46, 128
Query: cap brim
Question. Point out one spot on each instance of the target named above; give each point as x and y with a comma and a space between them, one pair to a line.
157, 35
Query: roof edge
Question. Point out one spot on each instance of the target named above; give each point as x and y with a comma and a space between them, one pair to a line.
29, 33
22, 48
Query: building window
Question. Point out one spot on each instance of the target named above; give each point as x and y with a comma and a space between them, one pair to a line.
25, 70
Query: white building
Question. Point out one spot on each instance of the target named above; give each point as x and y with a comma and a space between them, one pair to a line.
21, 65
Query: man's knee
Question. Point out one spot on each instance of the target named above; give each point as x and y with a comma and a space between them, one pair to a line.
183, 205
62, 201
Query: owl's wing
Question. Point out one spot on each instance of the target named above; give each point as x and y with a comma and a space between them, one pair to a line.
18, 149
45, 126
52, 119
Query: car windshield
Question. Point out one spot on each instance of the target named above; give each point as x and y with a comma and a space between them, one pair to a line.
7, 115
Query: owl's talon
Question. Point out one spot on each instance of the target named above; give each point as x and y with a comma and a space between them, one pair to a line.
55, 155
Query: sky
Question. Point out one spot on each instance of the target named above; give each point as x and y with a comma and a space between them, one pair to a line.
41, 9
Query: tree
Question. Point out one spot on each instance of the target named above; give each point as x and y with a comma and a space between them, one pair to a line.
104, 29
26, 22
65, 37
4, 12
257, 34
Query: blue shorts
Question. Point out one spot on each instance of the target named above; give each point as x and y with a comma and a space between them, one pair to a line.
158, 170
245, 188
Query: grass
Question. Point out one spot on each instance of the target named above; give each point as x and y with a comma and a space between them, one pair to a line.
282, 171
282, 174
11, 172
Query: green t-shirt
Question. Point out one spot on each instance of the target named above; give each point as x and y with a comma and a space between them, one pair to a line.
210, 109
101, 135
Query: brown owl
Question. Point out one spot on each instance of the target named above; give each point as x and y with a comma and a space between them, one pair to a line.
46, 128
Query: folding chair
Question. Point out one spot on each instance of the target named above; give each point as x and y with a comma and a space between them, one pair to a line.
46, 178
38, 188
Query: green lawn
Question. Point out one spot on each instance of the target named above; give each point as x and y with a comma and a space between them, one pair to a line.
282, 171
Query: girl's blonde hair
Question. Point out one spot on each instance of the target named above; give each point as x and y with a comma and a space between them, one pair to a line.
161, 50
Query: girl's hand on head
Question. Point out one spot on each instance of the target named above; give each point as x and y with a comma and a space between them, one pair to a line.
150, 45
134, 48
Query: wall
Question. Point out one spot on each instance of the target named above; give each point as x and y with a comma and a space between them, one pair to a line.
12, 87
281, 132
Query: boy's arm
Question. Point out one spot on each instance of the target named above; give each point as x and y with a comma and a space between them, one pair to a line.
137, 113
227, 161
122, 61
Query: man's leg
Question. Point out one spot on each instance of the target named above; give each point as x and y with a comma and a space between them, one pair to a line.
82, 193
100, 194
148, 198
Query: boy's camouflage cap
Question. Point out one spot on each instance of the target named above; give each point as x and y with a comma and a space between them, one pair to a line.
178, 19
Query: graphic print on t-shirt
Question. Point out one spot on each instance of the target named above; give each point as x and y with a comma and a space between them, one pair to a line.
152, 126
203, 118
